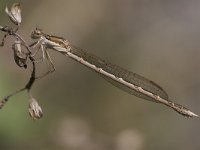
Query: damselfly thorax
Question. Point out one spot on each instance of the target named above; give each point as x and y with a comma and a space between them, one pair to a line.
49, 41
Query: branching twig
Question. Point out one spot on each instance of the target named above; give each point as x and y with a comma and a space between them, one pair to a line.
9, 31
21, 57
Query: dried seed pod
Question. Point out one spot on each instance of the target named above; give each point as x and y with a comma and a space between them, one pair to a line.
20, 56
14, 13
35, 111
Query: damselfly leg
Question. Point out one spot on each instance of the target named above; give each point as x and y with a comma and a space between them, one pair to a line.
45, 57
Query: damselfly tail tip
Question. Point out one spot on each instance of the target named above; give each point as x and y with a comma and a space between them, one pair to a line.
191, 114
182, 110
187, 113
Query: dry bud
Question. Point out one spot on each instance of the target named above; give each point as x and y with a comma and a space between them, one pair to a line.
14, 13
35, 111
19, 55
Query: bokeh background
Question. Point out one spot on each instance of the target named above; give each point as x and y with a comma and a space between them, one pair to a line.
158, 39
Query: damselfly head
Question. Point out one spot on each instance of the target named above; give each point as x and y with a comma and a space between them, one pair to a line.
36, 34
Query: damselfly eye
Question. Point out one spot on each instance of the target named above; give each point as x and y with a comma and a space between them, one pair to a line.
36, 34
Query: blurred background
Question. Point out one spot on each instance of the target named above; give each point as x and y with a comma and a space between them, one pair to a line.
158, 39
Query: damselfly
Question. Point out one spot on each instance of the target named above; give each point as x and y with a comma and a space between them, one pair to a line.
126, 80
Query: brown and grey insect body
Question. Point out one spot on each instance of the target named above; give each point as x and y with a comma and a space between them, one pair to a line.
126, 80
